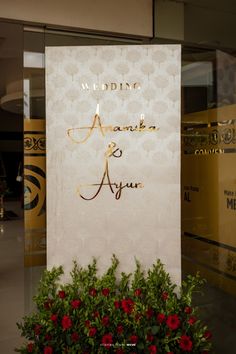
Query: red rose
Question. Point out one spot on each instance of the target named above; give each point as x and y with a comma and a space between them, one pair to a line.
127, 305
188, 310
61, 294
96, 314
161, 317
48, 350
48, 337
105, 321
37, 329
164, 295
173, 322
185, 343
150, 338
53, 318
105, 292
207, 335
92, 332
92, 292
66, 322
133, 339
107, 340
119, 351
117, 304
192, 320
75, 303
152, 349
87, 323
30, 347
48, 304
119, 329
138, 292
74, 337
149, 313
170, 353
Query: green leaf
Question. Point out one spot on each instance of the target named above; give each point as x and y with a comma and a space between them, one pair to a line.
155, 330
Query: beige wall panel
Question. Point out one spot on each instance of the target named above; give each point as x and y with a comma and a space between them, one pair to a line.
82, 220
123, 16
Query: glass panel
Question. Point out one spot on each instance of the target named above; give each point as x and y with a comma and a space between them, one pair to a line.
11, 185
34, 163
208, 185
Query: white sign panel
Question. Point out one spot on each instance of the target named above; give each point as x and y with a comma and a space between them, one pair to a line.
113, 155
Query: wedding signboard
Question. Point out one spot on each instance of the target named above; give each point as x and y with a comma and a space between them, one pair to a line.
113, 155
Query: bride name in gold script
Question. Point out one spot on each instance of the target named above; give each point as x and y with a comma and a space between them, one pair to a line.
74, 133
115, 188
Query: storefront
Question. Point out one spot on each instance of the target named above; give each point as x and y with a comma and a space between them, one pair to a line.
208, 141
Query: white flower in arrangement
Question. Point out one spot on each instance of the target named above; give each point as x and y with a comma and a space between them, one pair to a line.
160, 107
96, 68
122, 68
148, 68
161, 81
71, 68
133, 55
159, 56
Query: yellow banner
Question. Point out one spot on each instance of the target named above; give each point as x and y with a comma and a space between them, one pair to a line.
35, 192
209, 193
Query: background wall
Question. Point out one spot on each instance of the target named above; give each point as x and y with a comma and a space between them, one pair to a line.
123, 16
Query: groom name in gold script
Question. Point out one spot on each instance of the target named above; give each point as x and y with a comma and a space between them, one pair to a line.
104, 129
115, 188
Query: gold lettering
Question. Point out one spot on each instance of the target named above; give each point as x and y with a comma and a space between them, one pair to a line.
115, 188
97, 124
113, 86
85, 86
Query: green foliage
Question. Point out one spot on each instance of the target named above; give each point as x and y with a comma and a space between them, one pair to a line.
131, 313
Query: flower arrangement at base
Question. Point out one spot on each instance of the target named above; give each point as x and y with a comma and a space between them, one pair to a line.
132, 313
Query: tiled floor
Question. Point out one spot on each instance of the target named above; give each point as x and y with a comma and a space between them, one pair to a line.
17, 286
